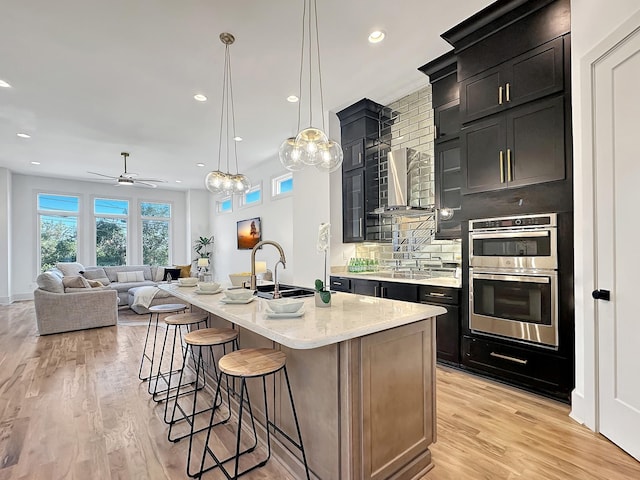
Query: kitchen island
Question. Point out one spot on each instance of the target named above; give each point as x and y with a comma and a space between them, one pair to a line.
363, 379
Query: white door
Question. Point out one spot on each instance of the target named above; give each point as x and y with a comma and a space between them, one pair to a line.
616, 137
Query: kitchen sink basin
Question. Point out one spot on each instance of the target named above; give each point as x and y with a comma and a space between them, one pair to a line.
287, 291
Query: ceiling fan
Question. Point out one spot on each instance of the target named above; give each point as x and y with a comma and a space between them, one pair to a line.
128, 179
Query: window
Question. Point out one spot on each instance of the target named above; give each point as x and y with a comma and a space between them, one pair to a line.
156, 228
253, 196
282, 185
58, 225
225, 205
112, 221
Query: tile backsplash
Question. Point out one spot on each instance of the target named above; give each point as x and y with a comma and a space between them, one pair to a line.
408, 122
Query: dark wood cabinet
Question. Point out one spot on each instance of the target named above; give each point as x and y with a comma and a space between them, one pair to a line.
523, 147
392, 290
532, 75
448, 185
446, 120
353, 155
340, 284
353, 205
448, 324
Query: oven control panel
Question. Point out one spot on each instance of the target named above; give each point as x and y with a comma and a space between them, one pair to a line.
513, 222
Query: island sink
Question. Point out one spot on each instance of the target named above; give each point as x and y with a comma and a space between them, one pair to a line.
286, 291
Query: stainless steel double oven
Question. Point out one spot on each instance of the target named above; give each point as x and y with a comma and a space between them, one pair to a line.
513, 278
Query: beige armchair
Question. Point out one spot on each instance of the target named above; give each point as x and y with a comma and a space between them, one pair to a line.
64, 312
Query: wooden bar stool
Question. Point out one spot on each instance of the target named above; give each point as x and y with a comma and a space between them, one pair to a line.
203, 338
180, 322
244, 364
156, 310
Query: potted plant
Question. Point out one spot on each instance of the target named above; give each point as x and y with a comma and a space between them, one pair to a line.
201, 247
322, 295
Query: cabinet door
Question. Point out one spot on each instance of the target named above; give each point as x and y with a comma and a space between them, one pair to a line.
353, 155
365, 287
535, 143
448, 335
447, 121
535, 74
399, 291
448, 185
481, 95
483, 155
340, 284
353, 206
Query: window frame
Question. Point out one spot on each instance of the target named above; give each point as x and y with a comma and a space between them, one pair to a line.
54, 213
169, 219
277, 181
94, 228
220, 202
254, 188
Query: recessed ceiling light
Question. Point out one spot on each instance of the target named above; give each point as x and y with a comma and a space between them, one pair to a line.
376, 36
23, 135
199, 164
178, 181
199, 97
4, 84
237, 139
35, 163
292, 99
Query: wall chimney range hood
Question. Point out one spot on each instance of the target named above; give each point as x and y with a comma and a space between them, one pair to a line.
398, 198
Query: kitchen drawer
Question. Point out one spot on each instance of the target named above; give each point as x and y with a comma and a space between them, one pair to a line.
536, 370
439, 295
340, 284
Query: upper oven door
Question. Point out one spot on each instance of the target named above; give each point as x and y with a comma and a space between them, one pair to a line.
528, 249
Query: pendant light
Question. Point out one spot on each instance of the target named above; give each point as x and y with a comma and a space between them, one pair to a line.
311, 146
218, 182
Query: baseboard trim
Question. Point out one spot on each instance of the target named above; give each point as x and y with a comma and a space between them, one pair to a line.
16, 298
577, 407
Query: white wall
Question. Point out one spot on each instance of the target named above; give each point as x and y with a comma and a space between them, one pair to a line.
5, 236
24, 231
591, 22
276, 222
199, 208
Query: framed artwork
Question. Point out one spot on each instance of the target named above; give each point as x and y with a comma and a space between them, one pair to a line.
249, 233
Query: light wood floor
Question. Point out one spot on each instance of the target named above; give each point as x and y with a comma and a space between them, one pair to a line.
71, 407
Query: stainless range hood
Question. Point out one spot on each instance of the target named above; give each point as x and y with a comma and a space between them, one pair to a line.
398, 198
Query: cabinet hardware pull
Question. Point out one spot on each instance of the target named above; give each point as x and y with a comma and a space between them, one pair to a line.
375, 291
435, 131
383, 292
500, 94
509, 177
336, 283
436, 294
359, 157
360, 227
511, 359
501, 167
508, 90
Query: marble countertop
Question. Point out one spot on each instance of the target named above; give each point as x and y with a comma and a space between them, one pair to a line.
350, 316
434, 281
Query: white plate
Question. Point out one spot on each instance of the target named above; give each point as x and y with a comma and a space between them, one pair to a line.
228, 300
271, 314
206, 292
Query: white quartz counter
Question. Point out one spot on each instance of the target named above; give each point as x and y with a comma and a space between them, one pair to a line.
350, 316
435, 281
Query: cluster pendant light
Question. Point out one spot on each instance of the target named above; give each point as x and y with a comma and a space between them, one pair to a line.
311, 146
219, 182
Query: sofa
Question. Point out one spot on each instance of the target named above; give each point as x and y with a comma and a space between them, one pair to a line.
60, 309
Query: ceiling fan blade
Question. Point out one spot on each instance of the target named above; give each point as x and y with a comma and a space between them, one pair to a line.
146, 184
103, 175
150, 180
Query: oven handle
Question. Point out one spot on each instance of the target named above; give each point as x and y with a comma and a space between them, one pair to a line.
519, 234
512, 278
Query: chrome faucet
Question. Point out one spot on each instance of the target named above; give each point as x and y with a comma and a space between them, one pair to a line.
254, 281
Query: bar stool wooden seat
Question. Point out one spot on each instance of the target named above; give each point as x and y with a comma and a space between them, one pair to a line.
182, 323
244, 364
156, 310
203, 338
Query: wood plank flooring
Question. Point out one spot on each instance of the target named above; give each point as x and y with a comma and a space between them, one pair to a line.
71, 407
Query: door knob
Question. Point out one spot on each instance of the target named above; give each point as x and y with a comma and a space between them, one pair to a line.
601, 295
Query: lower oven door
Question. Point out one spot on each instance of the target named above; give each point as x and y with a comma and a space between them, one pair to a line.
515, 305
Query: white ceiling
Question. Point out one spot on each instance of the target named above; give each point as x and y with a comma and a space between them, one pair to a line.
92, 78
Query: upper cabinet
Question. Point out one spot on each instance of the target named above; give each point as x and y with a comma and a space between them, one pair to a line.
532, 75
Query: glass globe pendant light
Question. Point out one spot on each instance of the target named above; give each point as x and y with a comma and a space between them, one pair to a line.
310, 146
216, 181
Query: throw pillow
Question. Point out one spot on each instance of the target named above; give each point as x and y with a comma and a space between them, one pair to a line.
175, 273
97, 274
70, 269
95, 283
136, 276
76, 281
50, 282
185, 270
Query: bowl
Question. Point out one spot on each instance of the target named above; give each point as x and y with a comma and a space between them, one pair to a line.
238, 279
239, 294
188, 281
285, 305
208, 286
